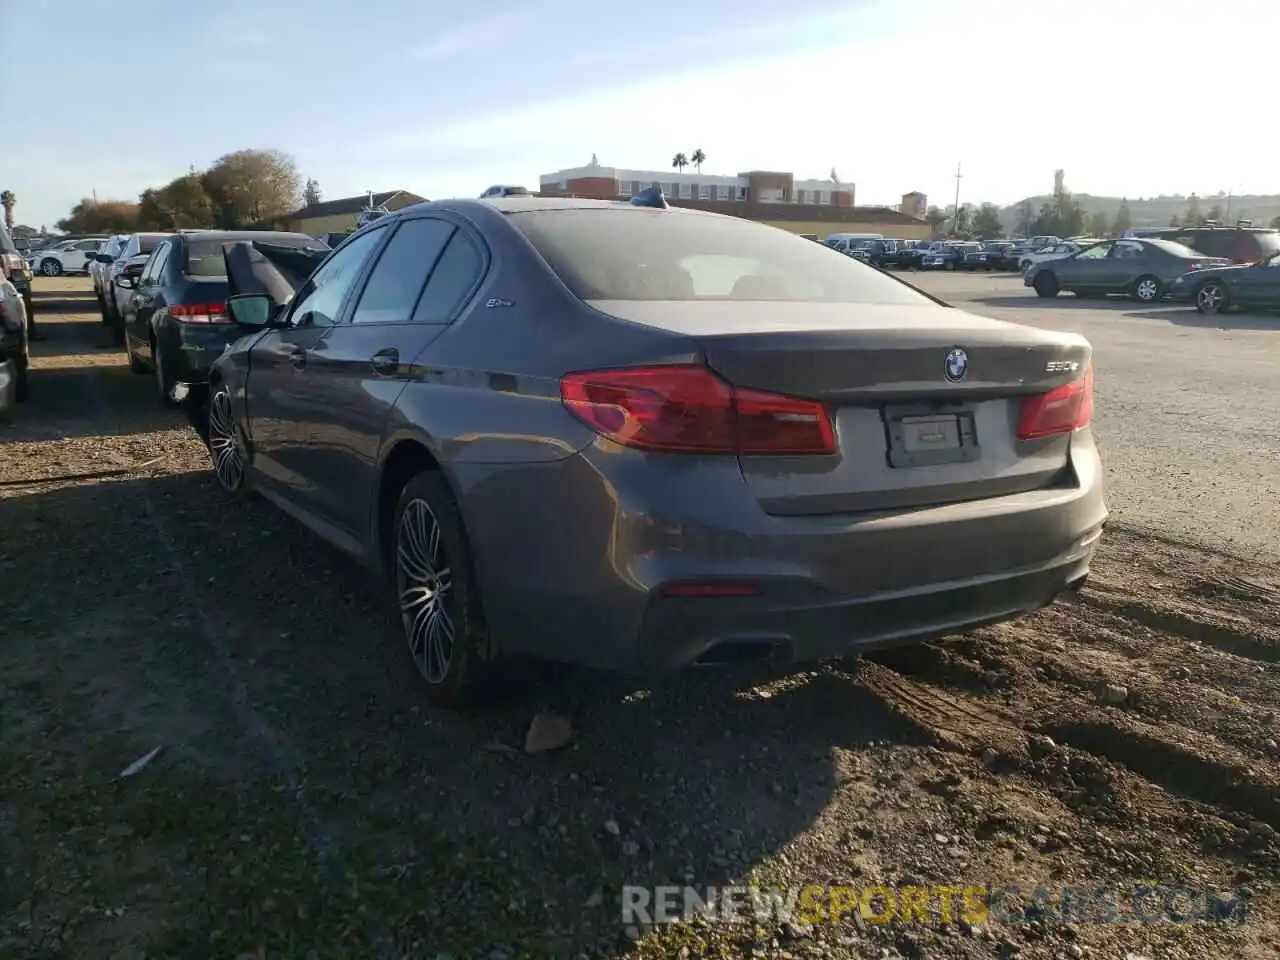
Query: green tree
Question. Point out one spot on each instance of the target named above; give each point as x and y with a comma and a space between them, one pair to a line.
1193, 217
935, 217
311, 193
1215, 213
962, 221
679, 162
22, 230
107, 216
986, 222
1123, 220
1175, 222
187, 202
249, 186
8, 199
1026, 216
152, 214
1098, 224
698, 158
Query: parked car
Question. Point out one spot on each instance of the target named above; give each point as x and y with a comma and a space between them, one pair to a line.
1143, 269
1057, 251
913, 252
988, 256
69, 256
947, 256
134, 248
847, 243
1219, 289
16, 270
1238, 244
479, 399
174, 319
108, 248
15, 355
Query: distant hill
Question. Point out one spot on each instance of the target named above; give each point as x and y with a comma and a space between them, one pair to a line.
1156, 211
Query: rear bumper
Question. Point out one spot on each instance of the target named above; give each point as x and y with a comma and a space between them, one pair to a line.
581, 576
191, 349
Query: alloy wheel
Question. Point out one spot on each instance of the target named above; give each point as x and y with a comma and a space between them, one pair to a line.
1211, 298
424, 584
228, 462
51, 268
1147, 290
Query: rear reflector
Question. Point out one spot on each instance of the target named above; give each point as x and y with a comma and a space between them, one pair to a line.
688, 409
1067, 408
199, 312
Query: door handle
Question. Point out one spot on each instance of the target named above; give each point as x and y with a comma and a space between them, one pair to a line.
385, 362
297, 356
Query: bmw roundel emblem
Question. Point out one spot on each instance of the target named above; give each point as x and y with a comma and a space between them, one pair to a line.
957, 366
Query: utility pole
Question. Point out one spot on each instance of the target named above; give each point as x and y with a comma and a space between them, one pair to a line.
1229, 195
955, 213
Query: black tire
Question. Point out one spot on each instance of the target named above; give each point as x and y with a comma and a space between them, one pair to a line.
1212, 298
1046, 284
467, 669
227, 452
1147, 289
21, 381
135, 365
50, 267
164, 382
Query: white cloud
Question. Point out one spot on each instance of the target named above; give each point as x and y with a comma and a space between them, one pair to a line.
843, 106
454, 40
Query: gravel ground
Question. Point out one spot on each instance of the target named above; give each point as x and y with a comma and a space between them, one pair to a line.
308, 803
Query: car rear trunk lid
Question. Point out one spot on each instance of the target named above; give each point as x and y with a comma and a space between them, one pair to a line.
925, 399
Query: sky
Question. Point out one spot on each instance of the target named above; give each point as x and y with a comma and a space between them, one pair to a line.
447, 99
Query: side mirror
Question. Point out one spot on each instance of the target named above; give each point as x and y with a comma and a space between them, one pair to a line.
102, 257
255, 311
127, 281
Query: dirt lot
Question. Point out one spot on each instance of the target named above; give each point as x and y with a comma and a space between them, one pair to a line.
308, 803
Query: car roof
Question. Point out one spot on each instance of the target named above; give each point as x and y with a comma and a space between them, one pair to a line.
233, 235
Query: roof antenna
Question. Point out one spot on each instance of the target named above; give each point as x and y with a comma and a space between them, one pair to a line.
371, 213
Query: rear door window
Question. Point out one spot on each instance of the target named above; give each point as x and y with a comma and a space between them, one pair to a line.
154, 269
401, 272
456, 275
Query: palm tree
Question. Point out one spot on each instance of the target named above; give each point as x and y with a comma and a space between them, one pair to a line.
8, 200
698, 159
679, 162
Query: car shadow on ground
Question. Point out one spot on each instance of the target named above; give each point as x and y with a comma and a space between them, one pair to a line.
1190, 317
70, 338
227, 633
1065, 301
64, 400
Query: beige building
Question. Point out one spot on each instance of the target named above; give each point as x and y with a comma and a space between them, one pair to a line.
339, 216
820, 207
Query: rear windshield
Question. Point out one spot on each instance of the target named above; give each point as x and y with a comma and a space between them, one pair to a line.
632, 254
1176, 249
205, 258
149, 244
1269, 242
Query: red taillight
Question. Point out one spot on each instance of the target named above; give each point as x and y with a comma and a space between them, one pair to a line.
199, 312
688, 409
1067, 408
